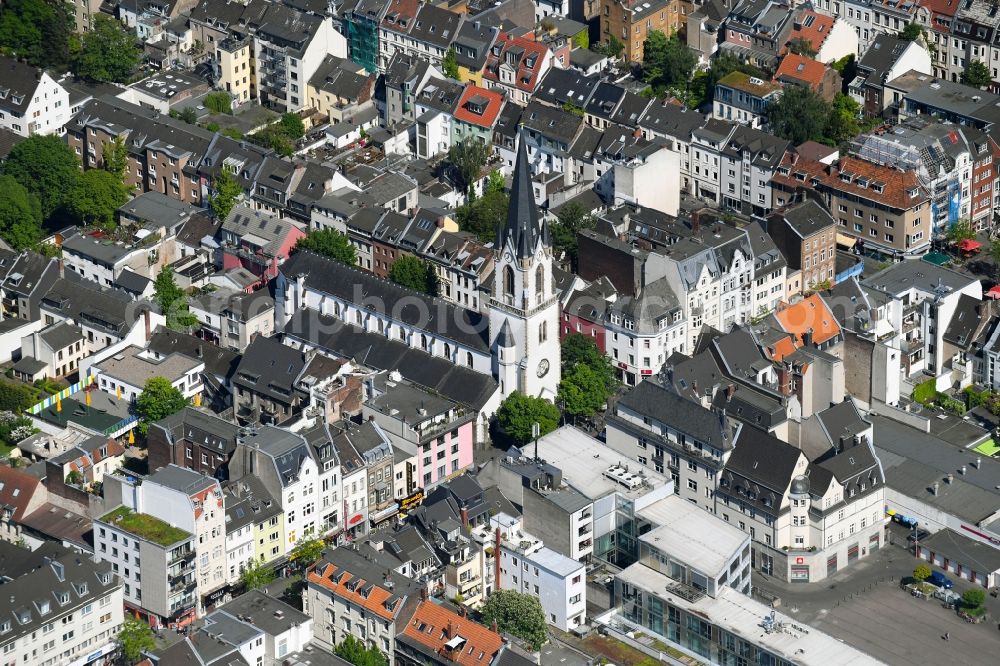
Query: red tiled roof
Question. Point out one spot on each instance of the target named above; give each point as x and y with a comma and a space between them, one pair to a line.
16, 489
491, 110
800, 68
816, 32
400, 12
374, 602
782, 348
526, 77
811, 314
434, 626
942, 7
894, 183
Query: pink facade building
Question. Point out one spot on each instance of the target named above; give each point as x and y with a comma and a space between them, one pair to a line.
257, 242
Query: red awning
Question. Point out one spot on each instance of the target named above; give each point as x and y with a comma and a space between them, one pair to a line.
994, 292
969, 245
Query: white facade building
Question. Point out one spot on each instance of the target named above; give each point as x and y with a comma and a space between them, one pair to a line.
31, 101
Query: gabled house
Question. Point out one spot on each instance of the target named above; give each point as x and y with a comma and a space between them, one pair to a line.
516, 65
31, 101
256, 242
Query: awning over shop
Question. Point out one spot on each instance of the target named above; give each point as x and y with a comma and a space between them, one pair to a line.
846, 242
969, 245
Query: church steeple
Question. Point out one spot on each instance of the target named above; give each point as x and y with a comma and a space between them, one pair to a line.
522, 230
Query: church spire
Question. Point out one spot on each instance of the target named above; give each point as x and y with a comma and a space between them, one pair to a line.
522, 228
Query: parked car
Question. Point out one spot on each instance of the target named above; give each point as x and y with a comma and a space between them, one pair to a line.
919, 535
939, 579
947, 597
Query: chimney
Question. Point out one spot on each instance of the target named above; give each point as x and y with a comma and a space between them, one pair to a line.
695, 221
465, 516
450, 631
934, 488
950, 478
62, 268
694, 387
496, 564
729, 391
493, 625
145, 319
961, 470
462, 612
978, 463
200, 351
423, 594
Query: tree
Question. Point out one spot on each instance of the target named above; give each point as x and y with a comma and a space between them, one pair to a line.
74, 478
467, 158
922, 572
108, 52
518, 413
256, 576
274, 137
330, 243
518, 614
135, 638
95, 198
227, 193
114, 157
667, 61
571, 219
16, 397
481, 216
307, 551
356, 652
614, 48
159, 399
414, 273
976, 74
187, 114
974, 598
450, 65
799, 115
292, 126
219, 102
842, 122
172, 300
581, 392
47, 167
38, 30
494, 182
802, 46
20, 215
912, 32
960, 231
577, 349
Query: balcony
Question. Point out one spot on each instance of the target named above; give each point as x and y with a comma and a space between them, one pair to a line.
184, 556
911, 345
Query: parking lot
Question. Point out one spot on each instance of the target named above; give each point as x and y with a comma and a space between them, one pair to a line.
866, 607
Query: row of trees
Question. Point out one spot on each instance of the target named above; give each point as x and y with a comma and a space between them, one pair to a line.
42, 32
42, 180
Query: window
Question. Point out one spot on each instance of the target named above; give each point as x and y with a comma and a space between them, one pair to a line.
508, 282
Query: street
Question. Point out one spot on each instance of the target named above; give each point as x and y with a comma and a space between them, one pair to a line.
865, 606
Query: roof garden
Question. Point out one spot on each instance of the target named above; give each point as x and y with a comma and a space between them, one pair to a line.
145, 526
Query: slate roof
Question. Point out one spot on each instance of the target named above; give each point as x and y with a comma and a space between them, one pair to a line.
523, 233
807, 218
19, 81
61, 335
566, 85
763, 459
441, 318
270, 368
218, 361
649, 398
463, 385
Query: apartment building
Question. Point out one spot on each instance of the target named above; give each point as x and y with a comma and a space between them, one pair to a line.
747, 160
882, 208
643, 331
631, 22
165, 591
126, 372
351, 592
805, 232
251, 516
235, 61
527, 566
58, 349
62, 608
744, 99
887, 58
194, 439
233, 319
418, 30
516, 66
32, 102
756, 31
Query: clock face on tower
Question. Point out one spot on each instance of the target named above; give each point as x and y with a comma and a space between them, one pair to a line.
543, 367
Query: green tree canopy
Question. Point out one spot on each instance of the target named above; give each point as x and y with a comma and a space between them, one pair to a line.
227, 193
187, 114
518, 413
922, 572
468, 157
114, 157
799, 115
172, 300
330, 243
20, 215
667, 60
976, 74
95, 198
159, 400
46, 167
291, 125
307, 551
494, 182
352, 650
577, 349
572, 218
219, 102
449, 64
614, 48
518, 614
16, 397
582, 392
974, 598
414, 273
802, 46
482, 216
274, 137
912, 32
38, 30
108, 53
134, 638
960, 231
842, 123
256, 576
